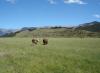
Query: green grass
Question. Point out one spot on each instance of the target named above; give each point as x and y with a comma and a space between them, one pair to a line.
61, 55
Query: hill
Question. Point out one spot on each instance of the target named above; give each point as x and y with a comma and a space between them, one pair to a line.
91, 29
92, 26
6, 32
57, 32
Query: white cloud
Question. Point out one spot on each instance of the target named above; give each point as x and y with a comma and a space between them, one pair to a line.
74, 1
11, 1
52, 1
96, 15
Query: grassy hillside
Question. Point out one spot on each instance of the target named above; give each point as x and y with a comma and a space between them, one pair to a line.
41, 33
61, 55
57, 32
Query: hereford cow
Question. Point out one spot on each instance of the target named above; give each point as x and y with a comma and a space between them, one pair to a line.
34, 41
45, 41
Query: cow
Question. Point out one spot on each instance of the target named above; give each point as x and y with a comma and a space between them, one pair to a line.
45, 41
34, 41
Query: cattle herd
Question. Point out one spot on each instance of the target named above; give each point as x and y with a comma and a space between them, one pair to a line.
35, 41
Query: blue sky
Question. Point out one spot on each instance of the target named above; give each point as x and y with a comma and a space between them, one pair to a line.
37, 13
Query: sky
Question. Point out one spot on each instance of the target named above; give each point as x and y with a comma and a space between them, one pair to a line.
39, 13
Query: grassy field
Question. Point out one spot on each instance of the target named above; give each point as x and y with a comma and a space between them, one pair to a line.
61, 55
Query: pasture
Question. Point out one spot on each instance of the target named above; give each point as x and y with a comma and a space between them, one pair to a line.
61, 55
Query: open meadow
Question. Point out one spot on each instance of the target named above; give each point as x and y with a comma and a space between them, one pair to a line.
61, 55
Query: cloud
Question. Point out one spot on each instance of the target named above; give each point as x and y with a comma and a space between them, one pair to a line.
96, 15
52, 1
11, 1
74, 1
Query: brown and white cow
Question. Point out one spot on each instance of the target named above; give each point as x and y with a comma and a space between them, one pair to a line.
45, 41
34, 41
